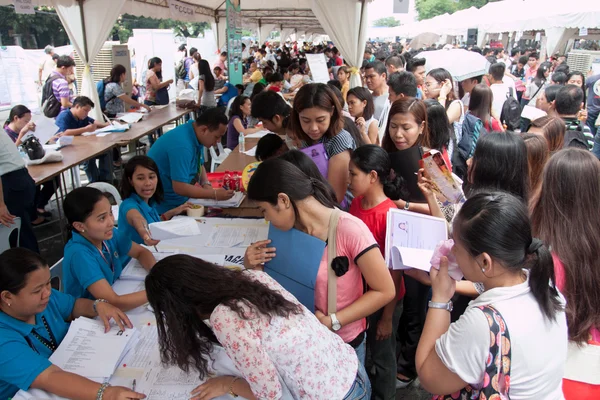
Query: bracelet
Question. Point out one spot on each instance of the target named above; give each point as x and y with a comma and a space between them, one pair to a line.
96, 303
100, 394
231, 392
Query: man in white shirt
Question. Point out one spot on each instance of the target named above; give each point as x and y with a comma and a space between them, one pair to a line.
376, 77
47, 65
501, 89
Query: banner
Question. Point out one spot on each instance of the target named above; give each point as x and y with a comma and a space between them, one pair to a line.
24, 7
234, 41
180, 9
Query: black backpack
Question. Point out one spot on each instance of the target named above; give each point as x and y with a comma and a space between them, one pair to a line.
50, 104
180, 71
511, 112
472, 129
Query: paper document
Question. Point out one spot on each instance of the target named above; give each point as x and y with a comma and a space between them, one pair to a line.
135, 271
258, 135
179, 227
251, 152
131, 118
234, 202
318, 67
142, 353
45, 128
87, 351
235, 236
413, 237
51, 147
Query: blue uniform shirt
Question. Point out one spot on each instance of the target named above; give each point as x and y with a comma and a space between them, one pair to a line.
135, 202
179, 157
66, 120
83, 264
19, 363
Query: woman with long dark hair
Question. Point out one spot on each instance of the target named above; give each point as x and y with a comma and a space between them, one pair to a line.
114, 95
361, 108
239, 112
280, 348
537, 156
439, 126
206, 85
154, 80
565, 215
481, 107
520, 305
552, 129
536, 85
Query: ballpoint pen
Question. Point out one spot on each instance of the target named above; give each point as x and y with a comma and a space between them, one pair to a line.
149, 235
133, 386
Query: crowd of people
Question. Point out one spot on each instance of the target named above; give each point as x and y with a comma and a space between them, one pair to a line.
523, 323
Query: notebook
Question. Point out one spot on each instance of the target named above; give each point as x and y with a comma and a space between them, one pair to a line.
318, 154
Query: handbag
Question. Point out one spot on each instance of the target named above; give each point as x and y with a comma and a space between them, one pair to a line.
496, 384
33, 148
331, 254
162, 96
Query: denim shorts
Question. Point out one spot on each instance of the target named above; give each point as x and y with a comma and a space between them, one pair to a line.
361, 388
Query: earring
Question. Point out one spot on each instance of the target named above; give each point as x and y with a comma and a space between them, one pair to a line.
8, 304
482, 269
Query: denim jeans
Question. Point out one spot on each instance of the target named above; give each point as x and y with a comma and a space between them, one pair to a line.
361, 351
95, 173
361, 389
159, 131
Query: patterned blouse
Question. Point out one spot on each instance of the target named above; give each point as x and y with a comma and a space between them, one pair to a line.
296, 355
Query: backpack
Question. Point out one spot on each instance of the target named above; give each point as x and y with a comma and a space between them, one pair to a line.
50, 104
101, 89
574, 137
180, 70
511, 112
472, 129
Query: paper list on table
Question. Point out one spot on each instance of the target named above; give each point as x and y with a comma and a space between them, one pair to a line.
234, 236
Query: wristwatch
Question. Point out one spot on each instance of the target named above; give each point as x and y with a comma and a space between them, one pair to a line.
442, 306
407, 205
335, 323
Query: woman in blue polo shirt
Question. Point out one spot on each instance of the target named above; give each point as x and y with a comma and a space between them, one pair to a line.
142, 190
34, 319
91, 263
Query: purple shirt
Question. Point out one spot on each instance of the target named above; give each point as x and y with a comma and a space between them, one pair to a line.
11, 134
233, 136
60, 88
187, 63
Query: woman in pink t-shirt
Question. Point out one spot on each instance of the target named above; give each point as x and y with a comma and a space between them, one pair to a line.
288, 198
565, 216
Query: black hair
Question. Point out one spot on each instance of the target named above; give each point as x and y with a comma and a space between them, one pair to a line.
268, 146
378, 67
276, 176
79, 204
403, 83
182, 48
235, 110
559, 78
551, 91
523, 60
353, 130
335, 83
305, 164
396, 61
18, 111
477, 50
363, 94
500, 163
515, 51
414, 63
274, 77
257, 89
371, 157
577, 73
209, 79
152, 63
266, 105
568, 100
55, 57
439, 125
193, 51
534, 55
540, 77
181, 288
65, 61
115, 73
83, 101
497, 71
15, 265
239, 87
224, 53
498, 224
562, 68
498, 50
212, 118
146, 162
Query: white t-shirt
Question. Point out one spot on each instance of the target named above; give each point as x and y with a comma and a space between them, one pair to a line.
500, 92
380, 103
538, 346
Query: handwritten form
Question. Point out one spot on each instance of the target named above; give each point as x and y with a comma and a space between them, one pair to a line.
235, 236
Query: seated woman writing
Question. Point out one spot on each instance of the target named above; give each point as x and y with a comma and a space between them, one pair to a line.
34, 319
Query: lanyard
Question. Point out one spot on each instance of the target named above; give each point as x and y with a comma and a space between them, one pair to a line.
110, 264
52, 344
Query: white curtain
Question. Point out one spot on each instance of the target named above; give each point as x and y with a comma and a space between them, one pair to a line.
220, 32
264, 32
346, 23
558, 38
96, 32
285, 33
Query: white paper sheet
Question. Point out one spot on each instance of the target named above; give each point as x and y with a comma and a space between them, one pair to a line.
174, 228
251, 152
45, 128
415, 236
136, 272
318, 67
234, 202
258, 134
234, 236
142, 354
131, 118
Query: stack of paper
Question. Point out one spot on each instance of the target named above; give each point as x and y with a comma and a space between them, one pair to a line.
87, 351
45, 128
234, 202
178, 227
251, 152
107, 130
131, 118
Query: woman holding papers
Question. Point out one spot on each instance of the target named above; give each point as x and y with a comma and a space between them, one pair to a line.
93, 255
288, 198
34, 319
114, 95
142, 189
280, 348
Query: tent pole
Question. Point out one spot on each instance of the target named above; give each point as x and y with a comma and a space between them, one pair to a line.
85, 46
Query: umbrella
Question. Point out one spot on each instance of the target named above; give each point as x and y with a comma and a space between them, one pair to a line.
461, 64
425, 39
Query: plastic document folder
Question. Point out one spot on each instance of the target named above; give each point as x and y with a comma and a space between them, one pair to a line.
296, 264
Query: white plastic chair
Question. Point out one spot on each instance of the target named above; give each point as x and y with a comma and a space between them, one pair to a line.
108, 188
215, 159
6, 231
223, 150
56, 272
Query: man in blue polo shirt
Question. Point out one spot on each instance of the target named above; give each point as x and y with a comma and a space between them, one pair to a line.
179, 155
75, 122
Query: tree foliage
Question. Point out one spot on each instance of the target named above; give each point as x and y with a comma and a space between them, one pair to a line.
387, 21
126, 23
427, 9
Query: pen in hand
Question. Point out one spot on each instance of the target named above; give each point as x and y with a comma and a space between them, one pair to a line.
149, 235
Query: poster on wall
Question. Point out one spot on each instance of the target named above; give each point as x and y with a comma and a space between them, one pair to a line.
234, 41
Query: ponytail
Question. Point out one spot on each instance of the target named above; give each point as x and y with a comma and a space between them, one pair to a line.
394, 187
373, 158
542, 280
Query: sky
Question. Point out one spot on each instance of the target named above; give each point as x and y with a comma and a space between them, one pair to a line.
383, 8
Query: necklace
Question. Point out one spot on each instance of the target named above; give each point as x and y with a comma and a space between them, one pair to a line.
52, 344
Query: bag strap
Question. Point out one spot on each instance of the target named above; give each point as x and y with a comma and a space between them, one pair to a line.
331, 254
500, 352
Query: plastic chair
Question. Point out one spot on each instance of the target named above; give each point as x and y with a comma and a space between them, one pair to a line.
6, 231
215, 159
108, 188
223, 150
56, 275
